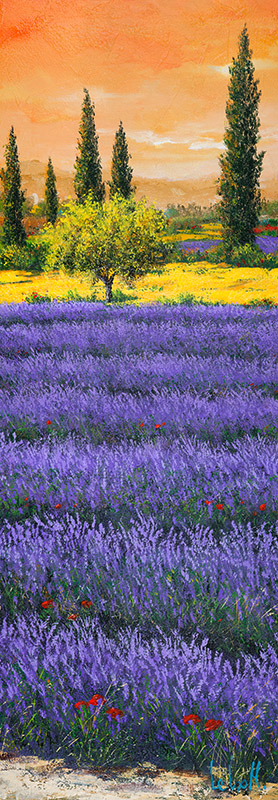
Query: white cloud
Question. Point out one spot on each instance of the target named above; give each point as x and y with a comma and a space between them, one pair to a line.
207, 144
259, 63
154, 139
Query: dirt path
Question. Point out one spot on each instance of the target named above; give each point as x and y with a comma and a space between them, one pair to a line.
30, 778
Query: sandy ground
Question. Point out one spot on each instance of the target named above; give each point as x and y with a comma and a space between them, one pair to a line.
30, 778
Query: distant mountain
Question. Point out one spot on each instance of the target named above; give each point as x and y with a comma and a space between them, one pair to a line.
160, 191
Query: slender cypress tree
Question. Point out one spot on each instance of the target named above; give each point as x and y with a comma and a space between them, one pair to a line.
50, 193
88, 177
13, 197
241, 165
121, 173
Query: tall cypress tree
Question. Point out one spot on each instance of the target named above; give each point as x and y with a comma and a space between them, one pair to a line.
50, 193
88, 177
13, 197
241, 165
121, 173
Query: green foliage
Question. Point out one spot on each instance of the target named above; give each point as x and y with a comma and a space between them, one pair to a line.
182, 217
88, 177
214, 255
39, 209
13, 197
241, 256
266, 302
121, 298
241, 166
121, 173
180, 223
37, 298
252, 256
28, 258
13, 257
51, 197
270, 210
103, 240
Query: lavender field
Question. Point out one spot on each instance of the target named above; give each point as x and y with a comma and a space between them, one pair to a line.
139, 547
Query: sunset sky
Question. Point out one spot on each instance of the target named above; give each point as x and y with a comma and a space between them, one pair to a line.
161, 66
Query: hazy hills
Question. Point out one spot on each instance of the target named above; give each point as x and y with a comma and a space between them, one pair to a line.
160, 191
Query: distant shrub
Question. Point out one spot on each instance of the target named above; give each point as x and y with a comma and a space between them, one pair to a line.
29, 257
213, 255
13, 257
266, 302
192, 214
252, 256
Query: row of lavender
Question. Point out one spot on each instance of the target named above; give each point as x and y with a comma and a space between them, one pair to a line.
103, 413
145, 625
267, 244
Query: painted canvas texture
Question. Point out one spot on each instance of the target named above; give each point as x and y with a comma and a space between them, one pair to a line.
138, 397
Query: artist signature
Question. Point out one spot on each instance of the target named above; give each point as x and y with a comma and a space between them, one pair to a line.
241, 784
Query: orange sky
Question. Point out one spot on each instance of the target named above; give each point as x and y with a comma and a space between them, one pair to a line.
160, 66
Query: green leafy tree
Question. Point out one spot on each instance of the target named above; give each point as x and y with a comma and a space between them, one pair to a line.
241, 165
13, 197
50, 193
88, 172
120, 237
121, 173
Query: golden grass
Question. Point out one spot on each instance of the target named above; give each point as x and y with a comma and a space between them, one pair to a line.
209, 282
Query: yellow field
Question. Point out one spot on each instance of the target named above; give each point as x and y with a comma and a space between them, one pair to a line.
209, 282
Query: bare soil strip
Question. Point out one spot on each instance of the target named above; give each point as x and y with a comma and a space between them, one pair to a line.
31, 778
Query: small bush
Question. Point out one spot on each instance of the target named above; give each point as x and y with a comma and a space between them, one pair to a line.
252, 256
13, 257
28, 258
37, 298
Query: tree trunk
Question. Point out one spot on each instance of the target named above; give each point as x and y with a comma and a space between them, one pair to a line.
108, 291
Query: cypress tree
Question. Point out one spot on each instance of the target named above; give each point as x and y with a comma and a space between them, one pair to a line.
13, 197
50, 193
88, 177
121, 173
241, 165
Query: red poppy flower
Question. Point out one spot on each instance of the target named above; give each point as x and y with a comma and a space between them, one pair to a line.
219, 505
212, 724
114, 712
86, 603
25, 499
163, 423
158, 426
81, 703
254, 513
95, 698
73, 616
48, 422
58, 505
242, 502
251, 384
75, 504
47, 604
262, 507
194, 718
141, 424
207, 502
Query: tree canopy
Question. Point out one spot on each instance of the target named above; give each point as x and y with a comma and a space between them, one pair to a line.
13, 197
121, 172
120, 237
51, 196
241, 166
88, 171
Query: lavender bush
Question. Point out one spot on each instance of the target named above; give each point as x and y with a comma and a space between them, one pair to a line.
138, 558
